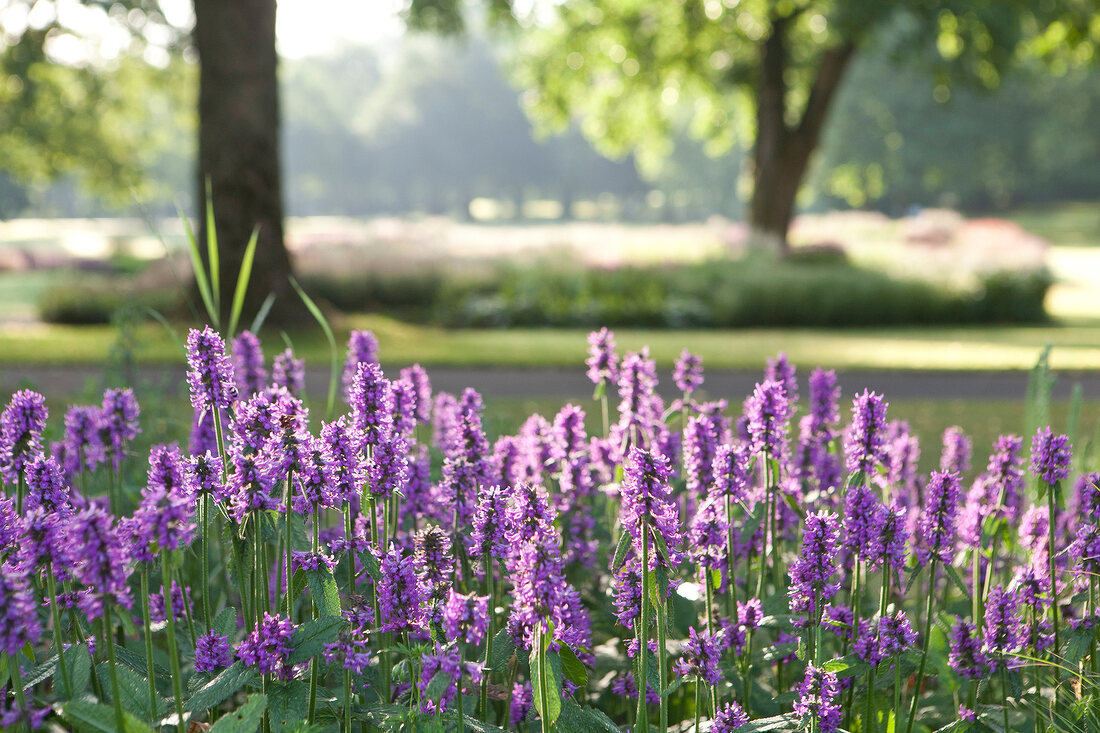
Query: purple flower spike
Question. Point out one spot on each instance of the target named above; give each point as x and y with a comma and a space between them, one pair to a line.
811, 574
119, 422
688, 372
371, 400
1004, 632
701, 657
957, 449
819, 696
268, 648
362, 349
210, 373
212, 651
647, 501
768, 411
98, 560
964, 651
729, 718
164, 520
83, 447
21, 426
466, 617
936, 528
1050, 456
19, 624
400, 595
289, 373
248, 364
603, 364
782, 371
866, 440
422, 389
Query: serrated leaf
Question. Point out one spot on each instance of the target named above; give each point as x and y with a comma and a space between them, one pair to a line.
133, 689
576, 719
218, 690
572, 667
543, 676
370, 564
503, 649
287, 705
41, 672
245, 719
674, 686
762, 725
322, 584
310, 638
957, 579
79, 664
1077, 645
438, 684
95, 717
225, 623
621, 551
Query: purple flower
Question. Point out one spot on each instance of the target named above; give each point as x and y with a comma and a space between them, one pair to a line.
488, 536
248, 364
688, 372
1004, 631
780, 370
936, 528
540, 592
210, 373
863, 520
522, 703
702, 436
865, 445
602, 362
729, 718
98, 560
21, 426
362, 349
118, 422
164, 519
268, 647
731, 471
351, 649
435, 565
203, 438
1050, 456
964, 651
639, 406
811, 574
768, 411
422, 391
345, 472
466, 617
465, 466
204, 474
404, 407
19, 624
700, 659
895, 536
289, 373
957, 449
371, 400
181, 600
647, 503
313, 490
824, 399
250, 486
448, 662
212, 651
83, 448
400, 595
306, 560
895, 635
46, 486
388, 468
819, 696
708, 535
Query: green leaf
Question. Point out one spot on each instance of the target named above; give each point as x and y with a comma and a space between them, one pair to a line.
957, 579
79, 664
167, 327
326, 595
1077, 645
662, 548
96, 717
311, 637
543, 677
333, 357
676, 683
762, 725
225, 623
212, 249
133, 689
571, 667
243, 276
218, 690
503, 649
621, 551
437, 686
261, 314
199, 270
576, 719
287, 705
245, 719
370, 564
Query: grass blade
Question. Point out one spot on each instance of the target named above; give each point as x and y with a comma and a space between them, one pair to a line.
200, 271
167, 327
261, 315
242, 281
317, 314
212, 248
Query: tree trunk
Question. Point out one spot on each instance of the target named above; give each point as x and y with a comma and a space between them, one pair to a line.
782, 152
239, 150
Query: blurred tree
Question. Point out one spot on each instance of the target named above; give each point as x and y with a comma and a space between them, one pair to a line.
62, 109
766, 70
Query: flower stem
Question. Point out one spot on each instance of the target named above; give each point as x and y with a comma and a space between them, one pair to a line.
662, 682
1056, 649
924, 645
486, 562
173, 654
148, 642
286, 532
116, 696
58, 643
642, 725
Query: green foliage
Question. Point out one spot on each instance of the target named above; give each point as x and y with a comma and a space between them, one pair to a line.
245, 719
92, 299
91, 717
222, 687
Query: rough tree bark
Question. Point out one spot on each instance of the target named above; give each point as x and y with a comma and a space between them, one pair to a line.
239, 148
782, 151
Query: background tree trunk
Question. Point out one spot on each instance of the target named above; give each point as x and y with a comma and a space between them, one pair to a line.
239, 149
782, 152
